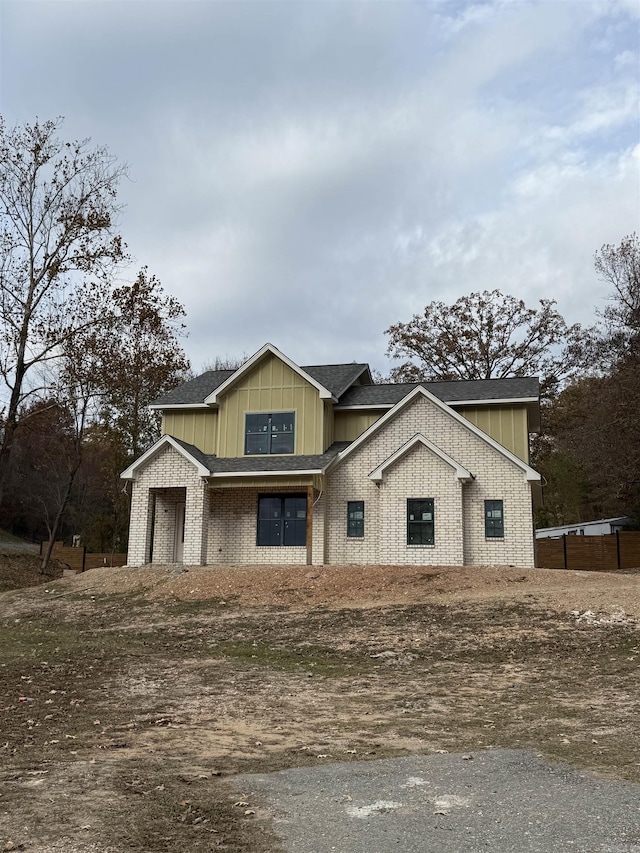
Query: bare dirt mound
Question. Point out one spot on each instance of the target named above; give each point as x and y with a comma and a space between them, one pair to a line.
302, 587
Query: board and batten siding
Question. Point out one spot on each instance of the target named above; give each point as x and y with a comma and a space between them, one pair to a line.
266, 483
328, 424
506, 424
348, 425
271, 386
195, 426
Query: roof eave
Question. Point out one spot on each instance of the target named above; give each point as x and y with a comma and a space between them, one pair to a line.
298, 472
168, 406
130, 472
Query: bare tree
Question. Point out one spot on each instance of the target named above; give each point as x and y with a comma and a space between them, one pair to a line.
619, 268
225, 362
58, 246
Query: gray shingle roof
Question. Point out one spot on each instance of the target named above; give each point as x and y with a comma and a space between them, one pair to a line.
334, 377
338, 379
257, 464
194, 391
285, 464
461, 390
202, 458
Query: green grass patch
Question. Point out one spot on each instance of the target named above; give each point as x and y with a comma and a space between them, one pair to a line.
318, 660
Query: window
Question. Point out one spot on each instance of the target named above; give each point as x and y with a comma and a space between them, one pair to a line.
420, 529
355, 519
269, 433
282, 520
493, 520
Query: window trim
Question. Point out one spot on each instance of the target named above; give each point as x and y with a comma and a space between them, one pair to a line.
270, 433
428, 523
490, 526
355, 526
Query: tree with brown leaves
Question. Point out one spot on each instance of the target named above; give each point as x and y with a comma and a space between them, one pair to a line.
484, 335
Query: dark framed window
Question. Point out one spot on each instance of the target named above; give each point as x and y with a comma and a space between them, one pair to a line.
282, 520
269, 433
355, 519
494, 520
420, 522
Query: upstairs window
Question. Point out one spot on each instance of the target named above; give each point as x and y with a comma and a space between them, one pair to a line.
493, 520
269, 433
355, 519
420, 523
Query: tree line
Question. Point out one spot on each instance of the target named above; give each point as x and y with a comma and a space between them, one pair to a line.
83, 352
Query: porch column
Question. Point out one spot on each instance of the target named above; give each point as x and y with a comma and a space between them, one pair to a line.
141, 524
309, 525
319, 530
196, 524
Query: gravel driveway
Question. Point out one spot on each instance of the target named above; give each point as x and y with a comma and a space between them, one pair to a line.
503, 801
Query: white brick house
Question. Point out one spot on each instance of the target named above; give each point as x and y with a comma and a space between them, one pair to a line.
276, 463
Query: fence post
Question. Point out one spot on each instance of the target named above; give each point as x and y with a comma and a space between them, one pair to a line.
84, 556
564, 549
618, 548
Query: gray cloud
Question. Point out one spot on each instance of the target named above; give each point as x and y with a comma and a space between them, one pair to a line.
309, 173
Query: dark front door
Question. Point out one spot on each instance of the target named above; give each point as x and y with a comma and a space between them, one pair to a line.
282, 520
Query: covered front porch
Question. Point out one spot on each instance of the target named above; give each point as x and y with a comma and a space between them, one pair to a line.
198, 510
266, 520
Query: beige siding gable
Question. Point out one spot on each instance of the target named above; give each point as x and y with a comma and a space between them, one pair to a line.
271, 386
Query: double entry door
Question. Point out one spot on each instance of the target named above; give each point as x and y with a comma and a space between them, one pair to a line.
282, 520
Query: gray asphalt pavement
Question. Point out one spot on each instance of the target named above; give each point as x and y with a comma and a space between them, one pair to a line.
503, 801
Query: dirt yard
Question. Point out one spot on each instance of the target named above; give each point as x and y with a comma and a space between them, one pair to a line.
129, 698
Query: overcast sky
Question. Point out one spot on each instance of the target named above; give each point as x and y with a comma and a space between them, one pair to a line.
307, 173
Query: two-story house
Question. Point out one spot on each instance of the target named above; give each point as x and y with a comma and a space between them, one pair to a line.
277, 463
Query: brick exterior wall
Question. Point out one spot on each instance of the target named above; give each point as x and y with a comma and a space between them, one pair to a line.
168, 478
233, 531
421, 474
458, 509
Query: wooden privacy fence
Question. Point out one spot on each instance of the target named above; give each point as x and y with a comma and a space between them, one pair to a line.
80, 560
607, 553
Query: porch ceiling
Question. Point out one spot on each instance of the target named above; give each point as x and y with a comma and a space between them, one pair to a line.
268, 482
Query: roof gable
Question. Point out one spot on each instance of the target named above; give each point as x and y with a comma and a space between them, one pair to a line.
420, 390
191, 453
418, 439
338, 378
215, 396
